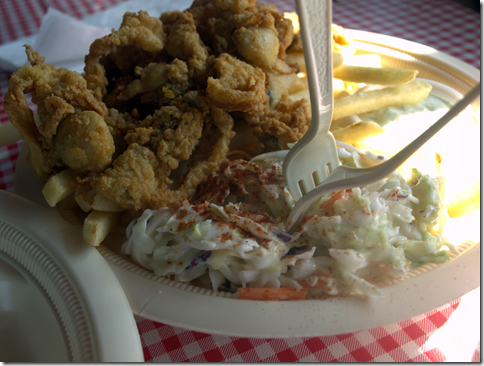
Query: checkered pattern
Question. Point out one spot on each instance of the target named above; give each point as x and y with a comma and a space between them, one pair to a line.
405, 341
450, 333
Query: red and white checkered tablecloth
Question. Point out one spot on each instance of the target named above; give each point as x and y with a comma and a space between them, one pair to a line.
449, 333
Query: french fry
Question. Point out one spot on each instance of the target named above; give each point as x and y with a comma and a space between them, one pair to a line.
337, 60
371, 60
358, 132
406, 94
97, 225
85, 200
298, 58
57, 187
374, 75
101, 203
91, 200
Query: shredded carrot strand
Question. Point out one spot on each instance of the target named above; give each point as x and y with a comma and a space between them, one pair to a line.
336, 196
271, 293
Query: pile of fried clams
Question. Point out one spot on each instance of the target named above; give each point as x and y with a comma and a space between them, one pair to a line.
160, 100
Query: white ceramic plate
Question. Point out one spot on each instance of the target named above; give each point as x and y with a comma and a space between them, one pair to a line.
190, 307
59, 301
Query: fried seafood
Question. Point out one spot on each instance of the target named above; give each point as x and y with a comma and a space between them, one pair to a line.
259, 46
138, 37
239, 86
84, 142
184, 43
155, 109
58, 93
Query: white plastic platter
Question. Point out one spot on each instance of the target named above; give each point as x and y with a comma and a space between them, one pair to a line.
191, 307
59, 300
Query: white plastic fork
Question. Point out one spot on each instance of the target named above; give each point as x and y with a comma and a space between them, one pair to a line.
345, 177
315, 156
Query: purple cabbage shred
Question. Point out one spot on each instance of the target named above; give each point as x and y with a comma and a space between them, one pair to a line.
202, 257
284, 236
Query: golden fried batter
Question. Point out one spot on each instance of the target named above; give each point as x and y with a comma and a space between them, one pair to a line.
84, 142
141, 31
239, 86
288, 122
57, 93
131, 180
154, 113
184, 43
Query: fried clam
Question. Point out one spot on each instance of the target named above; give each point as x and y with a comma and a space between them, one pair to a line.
61, 96
140, 37
184, 43
284, 27
259, 34
184, 137
216, 21
238, 86
287, 122
207, 158
260, 43
84, 142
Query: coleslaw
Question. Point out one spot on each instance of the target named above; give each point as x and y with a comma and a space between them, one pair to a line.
233, 235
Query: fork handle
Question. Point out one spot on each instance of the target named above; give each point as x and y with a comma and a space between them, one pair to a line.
317, 43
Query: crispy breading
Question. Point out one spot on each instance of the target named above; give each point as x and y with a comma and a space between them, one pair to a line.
238, 87
288, 122
154, 113
141, 31
57, 93
131, 180
184, 43
84, 142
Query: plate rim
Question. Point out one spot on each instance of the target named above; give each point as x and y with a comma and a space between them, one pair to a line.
75, 277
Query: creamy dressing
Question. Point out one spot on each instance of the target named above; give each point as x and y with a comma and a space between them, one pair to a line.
429, 110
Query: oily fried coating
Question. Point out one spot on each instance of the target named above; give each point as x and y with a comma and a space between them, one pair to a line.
151, 77
288, 122
207, 158
131, 180
283, 26
172, 133
142, 32
170, 136
166, 92
184, 43
84, 142
217, 21
140, 178
260, 47
239, 86
57, 94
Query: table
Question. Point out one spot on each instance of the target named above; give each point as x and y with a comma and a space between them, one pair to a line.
449, 333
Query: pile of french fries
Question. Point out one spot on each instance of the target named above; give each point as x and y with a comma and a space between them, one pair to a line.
104, 215
390, 87
396, 87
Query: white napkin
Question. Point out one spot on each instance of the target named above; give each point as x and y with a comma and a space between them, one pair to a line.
64, 41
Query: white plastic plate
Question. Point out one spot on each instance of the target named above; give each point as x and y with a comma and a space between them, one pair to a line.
191, 307
59, 300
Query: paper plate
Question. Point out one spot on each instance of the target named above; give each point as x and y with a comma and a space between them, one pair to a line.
59, 300
191, 307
